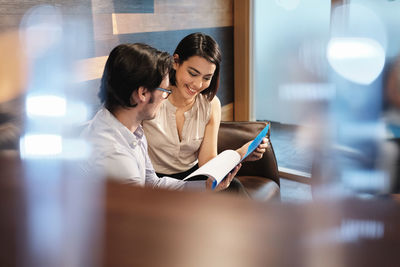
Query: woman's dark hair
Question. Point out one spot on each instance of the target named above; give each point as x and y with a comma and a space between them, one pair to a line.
202, 45
128, 67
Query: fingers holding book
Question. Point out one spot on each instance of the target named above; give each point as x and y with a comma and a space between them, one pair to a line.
225, 182
258, 152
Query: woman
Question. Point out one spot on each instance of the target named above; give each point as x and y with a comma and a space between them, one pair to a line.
183, 135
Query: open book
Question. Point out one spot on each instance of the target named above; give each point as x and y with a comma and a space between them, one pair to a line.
224, 162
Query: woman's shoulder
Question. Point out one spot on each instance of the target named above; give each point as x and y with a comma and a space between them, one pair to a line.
207, 104
215, 101
215, 105
209, 108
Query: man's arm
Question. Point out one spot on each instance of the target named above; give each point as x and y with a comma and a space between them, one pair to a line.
121, 167
167, 182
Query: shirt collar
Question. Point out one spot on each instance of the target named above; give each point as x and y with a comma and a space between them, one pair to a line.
139, 132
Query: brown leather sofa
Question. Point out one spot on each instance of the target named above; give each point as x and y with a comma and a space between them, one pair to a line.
260, 178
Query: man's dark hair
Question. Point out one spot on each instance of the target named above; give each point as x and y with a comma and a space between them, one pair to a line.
202, 45
128, 67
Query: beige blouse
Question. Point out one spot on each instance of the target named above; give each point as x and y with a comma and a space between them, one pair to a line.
167, 153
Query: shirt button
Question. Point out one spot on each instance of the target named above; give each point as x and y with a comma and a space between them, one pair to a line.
134, 143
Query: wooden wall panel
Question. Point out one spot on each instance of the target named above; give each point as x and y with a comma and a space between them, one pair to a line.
160, 23
227, 112
91, 68
242, 60
120, 6
133, 23
13, 68
176, 15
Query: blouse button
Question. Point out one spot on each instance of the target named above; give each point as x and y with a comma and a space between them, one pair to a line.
134, 143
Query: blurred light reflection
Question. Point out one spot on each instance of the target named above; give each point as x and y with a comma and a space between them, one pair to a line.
46, 105
357, 131
307, 91
366, 180
40, 145
53, 147
75, 149
77, 112
351, 48
41, 29
311, 54
288, 4
359, 60
59, 204
354, 230
350, 231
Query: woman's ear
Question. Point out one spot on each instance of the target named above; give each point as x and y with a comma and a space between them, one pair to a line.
176, 61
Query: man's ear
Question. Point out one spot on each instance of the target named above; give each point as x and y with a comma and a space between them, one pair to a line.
176, 61
142, 93
139, 95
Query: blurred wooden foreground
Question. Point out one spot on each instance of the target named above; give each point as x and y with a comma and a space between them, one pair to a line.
109, 224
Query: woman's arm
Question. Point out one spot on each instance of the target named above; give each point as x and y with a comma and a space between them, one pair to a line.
257, 153
208, 148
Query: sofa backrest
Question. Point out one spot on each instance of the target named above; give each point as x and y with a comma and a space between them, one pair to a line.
233, 135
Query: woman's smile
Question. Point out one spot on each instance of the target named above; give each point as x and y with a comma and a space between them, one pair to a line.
191, 91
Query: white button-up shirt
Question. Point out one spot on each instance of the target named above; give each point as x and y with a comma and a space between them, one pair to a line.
118, 153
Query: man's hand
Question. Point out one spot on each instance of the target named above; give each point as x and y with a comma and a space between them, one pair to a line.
225, 182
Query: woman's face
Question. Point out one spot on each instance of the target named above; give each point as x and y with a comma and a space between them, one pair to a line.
193, 75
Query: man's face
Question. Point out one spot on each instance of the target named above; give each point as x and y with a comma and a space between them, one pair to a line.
151, 108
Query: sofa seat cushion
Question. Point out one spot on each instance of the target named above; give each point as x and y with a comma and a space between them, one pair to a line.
260, 188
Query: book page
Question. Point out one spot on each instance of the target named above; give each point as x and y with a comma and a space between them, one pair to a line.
219, 166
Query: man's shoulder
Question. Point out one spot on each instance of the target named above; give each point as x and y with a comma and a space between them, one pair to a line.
100, 135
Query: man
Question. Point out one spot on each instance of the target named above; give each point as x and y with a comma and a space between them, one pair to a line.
132, 88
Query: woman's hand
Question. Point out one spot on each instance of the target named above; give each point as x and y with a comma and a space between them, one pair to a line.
225, 182
257, 153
